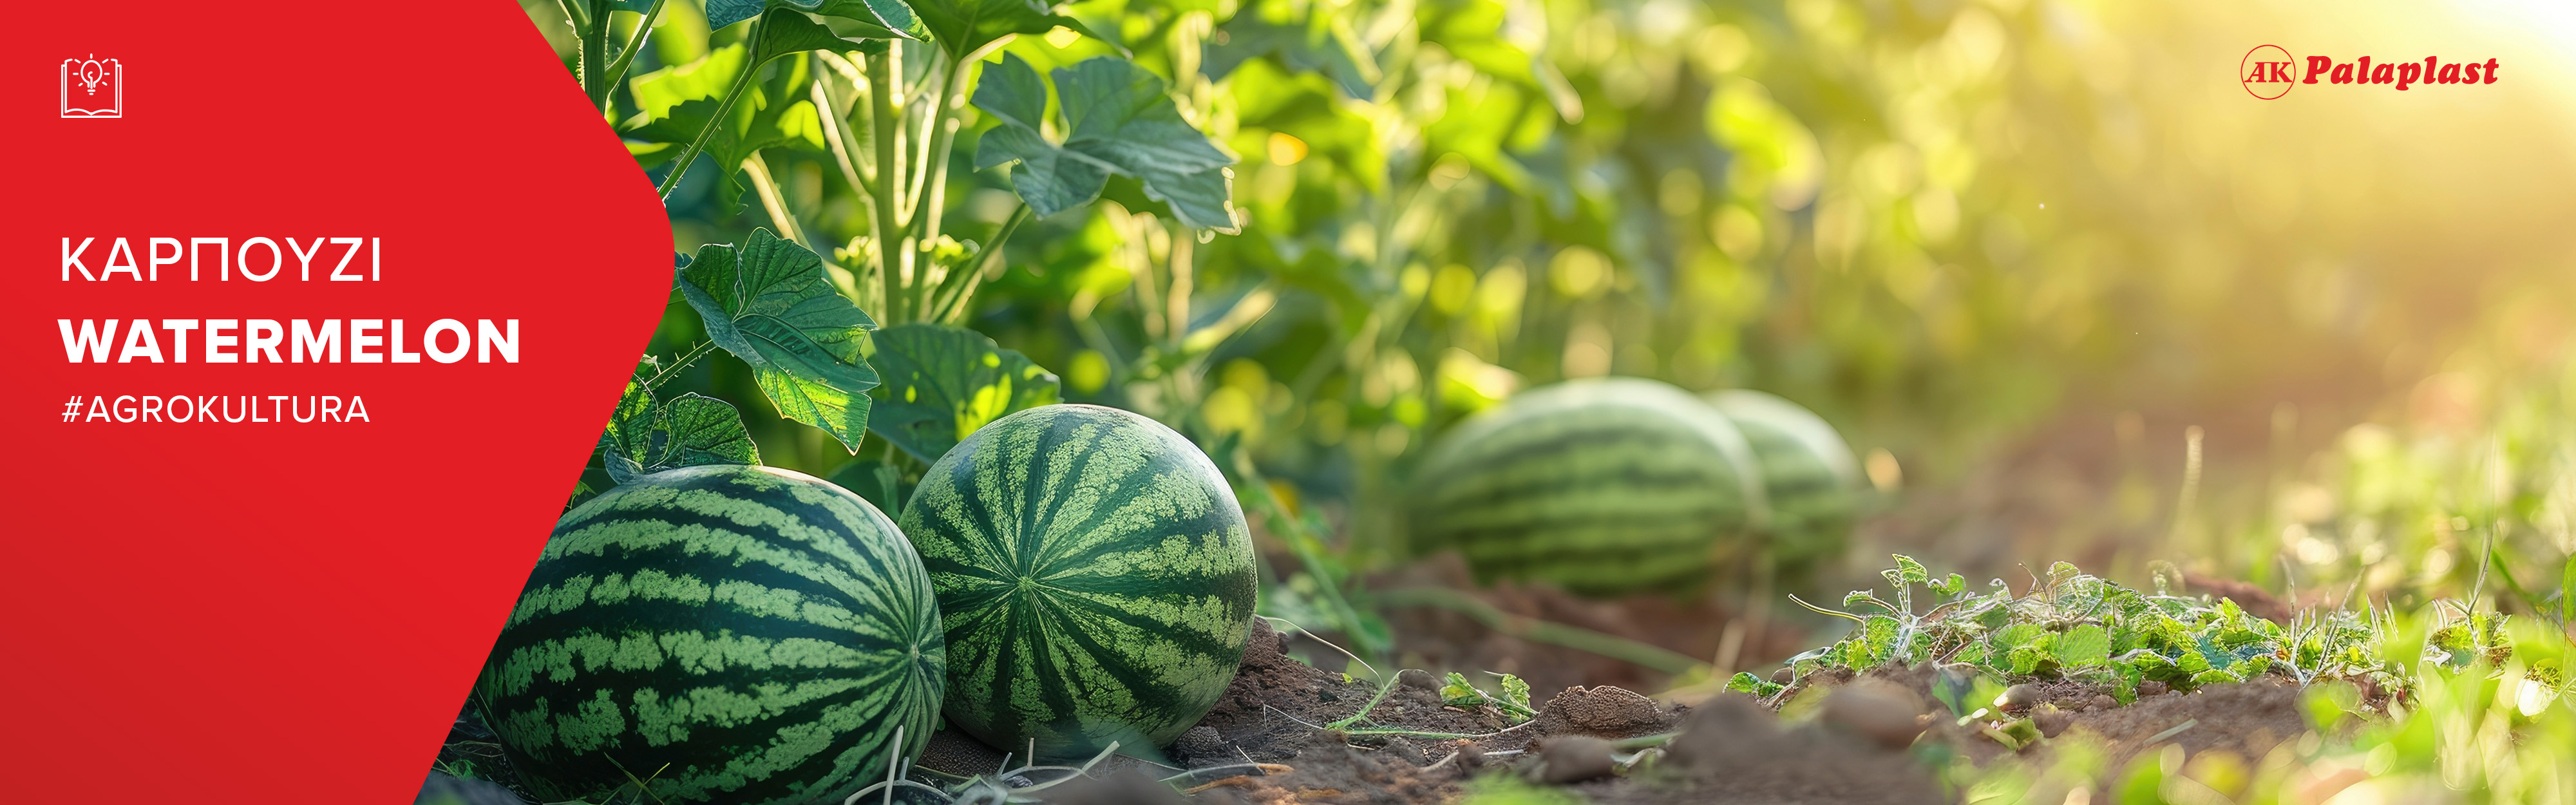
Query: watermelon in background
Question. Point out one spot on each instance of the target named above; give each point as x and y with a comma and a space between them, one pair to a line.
1603, 487
1096, 577
1809, 475
724, 633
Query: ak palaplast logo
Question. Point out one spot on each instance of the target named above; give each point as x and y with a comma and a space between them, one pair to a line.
93, 87
2269, 71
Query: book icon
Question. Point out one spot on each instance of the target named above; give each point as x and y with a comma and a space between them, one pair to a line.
93, 87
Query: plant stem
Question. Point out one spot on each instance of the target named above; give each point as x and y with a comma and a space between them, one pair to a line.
592, 26
678, 364
625, 58
842, 138
889, 178
773, 199
943, 136
1184, 271
741, 83
1309, 550
1383, 688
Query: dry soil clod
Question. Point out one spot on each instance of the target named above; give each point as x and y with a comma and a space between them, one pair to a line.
1880, 712
2051, 720
1572, 759
2022, 697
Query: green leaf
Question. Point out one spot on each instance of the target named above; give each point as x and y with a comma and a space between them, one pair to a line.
770, 304
941, 382
1455, 692
1047, 178
2061, 574
964, 26
2214, 676
893, 18
1118, 121
2192, 662
2025, 659
1878, 641
1745, 682
1516, 693
1911, 571
1323, 43
2085, 645
1953, 686
678, 102
646, 436
2018, 635
786, 30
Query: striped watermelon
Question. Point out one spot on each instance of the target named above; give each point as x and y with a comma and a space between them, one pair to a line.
725, 634
1808, 473
1602, 487
1095, 574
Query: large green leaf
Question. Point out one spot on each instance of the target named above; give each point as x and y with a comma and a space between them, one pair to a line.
786, 30
2085, 645
941, 382
882, 19
1322, 43
677, 103
962, 27
1118, 120
770, 303
646, 436
1048, 178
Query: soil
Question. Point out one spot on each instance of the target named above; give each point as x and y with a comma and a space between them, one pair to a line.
1693, 625
2246, 719
1731, 750
1266, 743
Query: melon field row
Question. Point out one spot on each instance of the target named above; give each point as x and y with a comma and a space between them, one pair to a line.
1354, 402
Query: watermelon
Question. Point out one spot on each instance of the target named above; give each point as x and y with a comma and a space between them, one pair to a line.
1809, 475
1602, 487
1095, 575
722, 634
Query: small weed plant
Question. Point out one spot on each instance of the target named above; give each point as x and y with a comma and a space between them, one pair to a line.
2078, 627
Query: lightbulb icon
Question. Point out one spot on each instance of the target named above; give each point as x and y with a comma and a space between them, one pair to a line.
92, 73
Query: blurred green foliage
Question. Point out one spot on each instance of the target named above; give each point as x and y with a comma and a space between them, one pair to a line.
1949, 226
1943, 224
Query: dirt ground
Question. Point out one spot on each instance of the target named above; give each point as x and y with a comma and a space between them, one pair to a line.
1268, 742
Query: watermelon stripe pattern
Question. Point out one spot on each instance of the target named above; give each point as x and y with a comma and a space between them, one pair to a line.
1095, 574
724, 633
1602, 487
1808, 473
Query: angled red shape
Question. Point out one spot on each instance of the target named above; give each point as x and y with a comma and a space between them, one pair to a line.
291, 612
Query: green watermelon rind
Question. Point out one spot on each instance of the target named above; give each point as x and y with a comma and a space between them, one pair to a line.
1096, 576
726, 634
1601, 486
1813, 479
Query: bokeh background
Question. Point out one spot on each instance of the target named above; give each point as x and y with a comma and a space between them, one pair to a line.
2071, 291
